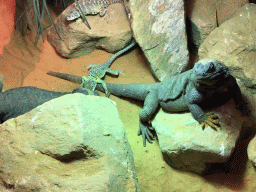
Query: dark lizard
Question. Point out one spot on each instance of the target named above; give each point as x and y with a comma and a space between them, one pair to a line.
187, 91
18, 101
98, 71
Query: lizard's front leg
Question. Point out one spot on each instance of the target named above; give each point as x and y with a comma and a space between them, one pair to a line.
150, 106
88, 83
117, 72
204, 119
104, 85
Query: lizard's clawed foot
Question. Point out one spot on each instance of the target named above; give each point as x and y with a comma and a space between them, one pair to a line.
146, 132
211, 121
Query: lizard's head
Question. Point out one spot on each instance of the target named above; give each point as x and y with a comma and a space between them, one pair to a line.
73, 14
209, 74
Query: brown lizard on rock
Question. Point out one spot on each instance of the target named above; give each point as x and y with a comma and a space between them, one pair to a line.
91, 7
207, 82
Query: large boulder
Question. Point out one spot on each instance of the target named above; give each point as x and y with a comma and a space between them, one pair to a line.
187, 147
111, 32
72, 143
159, 28
233, 43
204, 16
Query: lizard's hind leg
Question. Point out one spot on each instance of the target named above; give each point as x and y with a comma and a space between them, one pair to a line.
104, 85
117, 72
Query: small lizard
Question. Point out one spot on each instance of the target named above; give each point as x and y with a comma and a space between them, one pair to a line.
97, 72
90, 7
191, 90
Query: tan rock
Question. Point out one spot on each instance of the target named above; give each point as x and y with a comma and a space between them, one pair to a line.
24, 15
185, 146
71, 143
205, 16
111, 32
159, 29
251, 151
233, 43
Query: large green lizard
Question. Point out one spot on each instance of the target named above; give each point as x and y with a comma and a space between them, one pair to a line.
189, 90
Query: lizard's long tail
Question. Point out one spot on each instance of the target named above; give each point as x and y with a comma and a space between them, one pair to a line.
65, 76
111, 59
137, 91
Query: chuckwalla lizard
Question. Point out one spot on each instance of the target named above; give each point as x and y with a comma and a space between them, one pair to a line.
91, 7
206, 83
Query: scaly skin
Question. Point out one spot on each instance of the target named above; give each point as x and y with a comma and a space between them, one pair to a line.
91, 7
209, 79
97, 72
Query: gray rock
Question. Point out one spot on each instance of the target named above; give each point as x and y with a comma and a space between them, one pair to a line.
72, 143
185, 146
251, 151
111, 33
159, 28
205, 16
233, 43
20, 100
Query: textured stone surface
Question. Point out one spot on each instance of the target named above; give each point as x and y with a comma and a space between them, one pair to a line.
185, 146
233, 43
24, 16
251, 150
159, 28
205, 16
111, 33
67, 144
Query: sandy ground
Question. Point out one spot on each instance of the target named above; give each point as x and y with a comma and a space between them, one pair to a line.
22, 63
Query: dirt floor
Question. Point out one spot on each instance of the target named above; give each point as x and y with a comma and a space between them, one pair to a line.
22, 63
